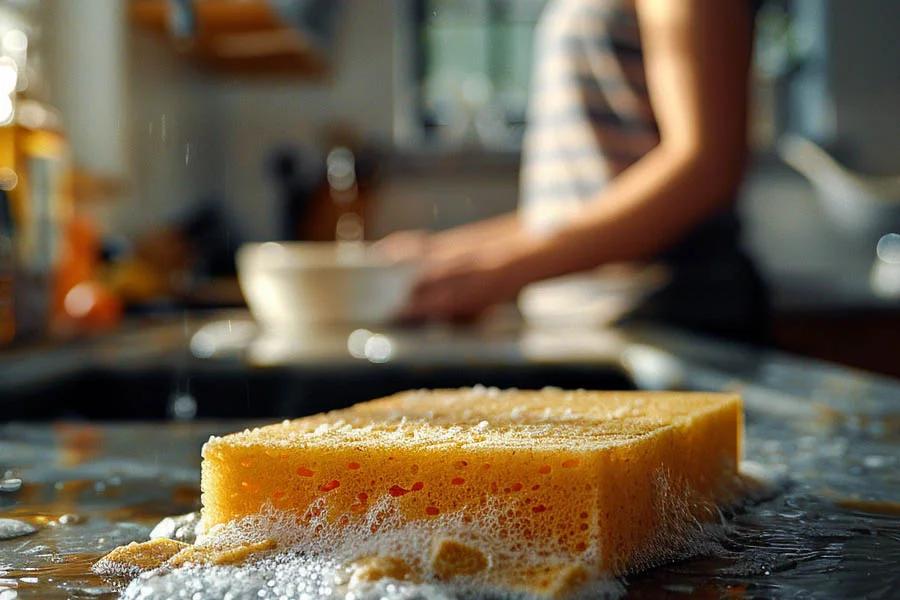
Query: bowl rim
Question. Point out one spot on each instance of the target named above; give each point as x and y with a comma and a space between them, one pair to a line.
317, 256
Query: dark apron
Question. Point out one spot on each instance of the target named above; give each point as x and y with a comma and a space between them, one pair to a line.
715, 288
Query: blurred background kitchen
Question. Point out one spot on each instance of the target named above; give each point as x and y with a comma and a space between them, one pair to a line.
143, 141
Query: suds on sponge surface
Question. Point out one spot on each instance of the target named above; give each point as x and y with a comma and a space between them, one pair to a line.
318, 560
431, 494
456, 556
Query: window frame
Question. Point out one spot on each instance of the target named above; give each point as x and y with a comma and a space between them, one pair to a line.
414, 124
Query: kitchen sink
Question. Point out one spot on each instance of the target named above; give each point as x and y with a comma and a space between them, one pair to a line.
242, 392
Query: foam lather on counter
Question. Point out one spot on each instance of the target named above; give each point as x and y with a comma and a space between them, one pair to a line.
609, 481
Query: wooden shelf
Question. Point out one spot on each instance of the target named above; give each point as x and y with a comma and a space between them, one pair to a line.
244, 37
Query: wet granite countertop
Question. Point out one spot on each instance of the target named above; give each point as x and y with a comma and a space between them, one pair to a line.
832, 435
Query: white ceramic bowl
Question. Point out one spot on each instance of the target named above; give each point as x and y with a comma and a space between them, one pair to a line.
297, 285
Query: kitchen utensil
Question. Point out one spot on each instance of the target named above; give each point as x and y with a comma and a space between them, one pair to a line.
298, 285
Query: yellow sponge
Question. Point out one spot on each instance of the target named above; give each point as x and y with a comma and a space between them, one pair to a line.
607, 478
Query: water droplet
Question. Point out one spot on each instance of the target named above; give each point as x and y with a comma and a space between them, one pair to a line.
183, 406
71, 519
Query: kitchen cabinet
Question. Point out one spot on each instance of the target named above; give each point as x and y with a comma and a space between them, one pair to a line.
863, 339
236, 37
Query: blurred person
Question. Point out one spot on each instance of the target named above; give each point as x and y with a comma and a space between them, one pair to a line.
635, 149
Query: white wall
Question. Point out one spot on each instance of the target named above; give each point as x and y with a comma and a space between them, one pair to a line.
86, 64
174, 145
132, 110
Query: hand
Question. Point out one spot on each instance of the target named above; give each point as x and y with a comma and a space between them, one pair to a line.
416, 244
404, 245
461, 284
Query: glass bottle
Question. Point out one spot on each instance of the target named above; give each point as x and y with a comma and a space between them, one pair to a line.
34, 171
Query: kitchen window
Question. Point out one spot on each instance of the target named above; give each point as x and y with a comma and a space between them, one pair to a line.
472, 67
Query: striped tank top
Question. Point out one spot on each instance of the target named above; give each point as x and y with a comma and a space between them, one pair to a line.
589, 119
589, 116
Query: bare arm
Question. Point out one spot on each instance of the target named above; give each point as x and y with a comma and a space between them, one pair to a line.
450, 243
496, 227
697, 56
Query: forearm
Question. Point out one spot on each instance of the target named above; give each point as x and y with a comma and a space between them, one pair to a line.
479, 231
646, 209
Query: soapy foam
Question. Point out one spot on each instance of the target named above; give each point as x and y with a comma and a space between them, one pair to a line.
313, 556
384, 532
